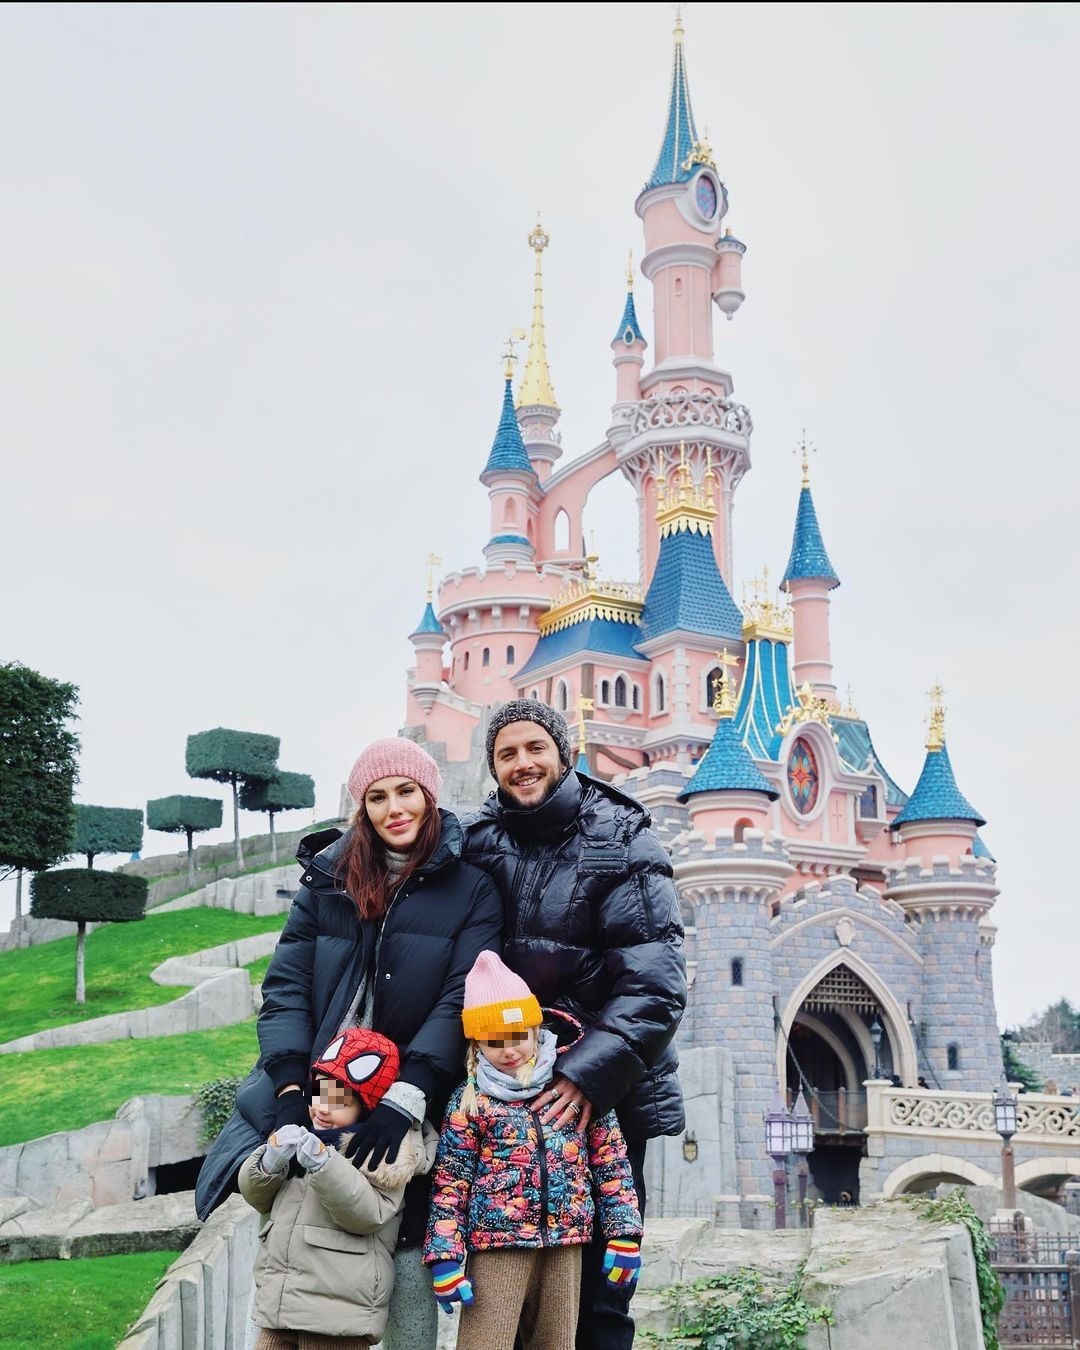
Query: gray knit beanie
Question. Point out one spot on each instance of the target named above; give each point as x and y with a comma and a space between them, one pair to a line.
530, 710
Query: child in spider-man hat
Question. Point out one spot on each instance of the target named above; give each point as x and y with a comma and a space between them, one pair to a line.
325, 1267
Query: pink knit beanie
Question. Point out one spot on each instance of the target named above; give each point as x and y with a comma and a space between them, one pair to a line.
394, 757
497, 1001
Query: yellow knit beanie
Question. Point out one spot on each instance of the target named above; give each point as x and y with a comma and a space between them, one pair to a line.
497, 1001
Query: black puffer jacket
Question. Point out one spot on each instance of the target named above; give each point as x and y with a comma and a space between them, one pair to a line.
593, 926
441, 919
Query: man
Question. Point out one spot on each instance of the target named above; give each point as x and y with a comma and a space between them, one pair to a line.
593, 927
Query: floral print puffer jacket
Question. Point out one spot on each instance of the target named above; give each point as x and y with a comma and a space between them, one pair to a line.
502, 1179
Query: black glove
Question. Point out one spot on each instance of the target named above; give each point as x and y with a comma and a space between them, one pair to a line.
379, 1137
291, 1108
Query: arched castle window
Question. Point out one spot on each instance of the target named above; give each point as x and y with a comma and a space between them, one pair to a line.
562, 696
953, 1054
741, 826
868, 803
620, 692
712, 684
509, 656
534, 693
736, 970
678, 285
635, 698
562, 531
465, 661
659, 693
485, 657
510, 511
605, 691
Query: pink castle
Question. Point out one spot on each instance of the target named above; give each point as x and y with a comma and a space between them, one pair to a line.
724, 720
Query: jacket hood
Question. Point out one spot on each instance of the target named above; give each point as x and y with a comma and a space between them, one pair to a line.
416, 1156
322, 851
566, 1028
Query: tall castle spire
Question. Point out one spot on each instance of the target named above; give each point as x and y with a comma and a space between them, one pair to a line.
536, 388
677, 160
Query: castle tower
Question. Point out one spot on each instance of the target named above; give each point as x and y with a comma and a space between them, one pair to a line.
730, 870
688, 610
628, 346
808, 579
428, 640
537, 409
945, 889
510, 480
686, 395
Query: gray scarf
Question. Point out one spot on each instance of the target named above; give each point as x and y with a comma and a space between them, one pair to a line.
504, 1087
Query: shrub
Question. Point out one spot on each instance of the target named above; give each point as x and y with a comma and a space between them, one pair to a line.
79, 894
106, 829
216, 1102
175, 815
226, 755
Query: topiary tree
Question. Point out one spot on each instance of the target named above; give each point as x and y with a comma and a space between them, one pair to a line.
106, 829
81, 895
233, 757
190, 815
286, 792
38, 771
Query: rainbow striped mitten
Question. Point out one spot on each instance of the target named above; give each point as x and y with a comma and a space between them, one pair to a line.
450, 1283
622, 1260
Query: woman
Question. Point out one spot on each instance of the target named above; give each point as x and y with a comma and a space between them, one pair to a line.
385, 926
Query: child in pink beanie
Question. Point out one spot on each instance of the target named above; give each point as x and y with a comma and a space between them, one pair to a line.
520, 1197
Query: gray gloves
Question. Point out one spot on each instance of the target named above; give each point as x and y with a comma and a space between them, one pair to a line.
293, 1141
281, 1148
311, 1153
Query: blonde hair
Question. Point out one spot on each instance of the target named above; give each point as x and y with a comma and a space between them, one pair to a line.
469, 1093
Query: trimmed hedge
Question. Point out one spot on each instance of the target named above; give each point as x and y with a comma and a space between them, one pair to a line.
81, 895
107, 829
223, 755
286, 792
174, 815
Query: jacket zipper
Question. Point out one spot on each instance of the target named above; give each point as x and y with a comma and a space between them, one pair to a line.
380, 938
541, 1150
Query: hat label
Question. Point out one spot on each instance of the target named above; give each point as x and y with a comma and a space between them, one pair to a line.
512, 1015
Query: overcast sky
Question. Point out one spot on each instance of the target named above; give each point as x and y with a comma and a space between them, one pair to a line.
257, 264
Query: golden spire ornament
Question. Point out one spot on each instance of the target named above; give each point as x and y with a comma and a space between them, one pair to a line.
536, 387
724, 693
935, 736
433, 561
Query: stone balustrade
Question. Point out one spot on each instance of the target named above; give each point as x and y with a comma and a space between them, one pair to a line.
969, 1115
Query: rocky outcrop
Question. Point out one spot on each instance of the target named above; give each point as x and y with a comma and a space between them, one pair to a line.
108, 1163
158, 1223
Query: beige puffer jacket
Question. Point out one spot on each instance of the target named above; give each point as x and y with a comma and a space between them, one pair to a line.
326, 1249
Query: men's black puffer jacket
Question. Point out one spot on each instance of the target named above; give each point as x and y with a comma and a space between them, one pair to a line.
593, 926
442, 917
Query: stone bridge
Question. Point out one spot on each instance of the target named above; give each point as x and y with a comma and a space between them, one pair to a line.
916, 1138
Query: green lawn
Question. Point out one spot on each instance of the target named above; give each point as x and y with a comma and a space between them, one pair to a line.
87, 1304
37, 984
257, 970
50, 1090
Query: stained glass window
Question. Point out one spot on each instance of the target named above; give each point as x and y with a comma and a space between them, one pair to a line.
705, 195
804, 779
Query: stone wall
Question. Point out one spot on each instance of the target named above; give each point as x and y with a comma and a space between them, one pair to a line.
1064, 1070
109, 1162
204, 1300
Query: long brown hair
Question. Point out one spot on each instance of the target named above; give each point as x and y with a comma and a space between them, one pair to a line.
362, 869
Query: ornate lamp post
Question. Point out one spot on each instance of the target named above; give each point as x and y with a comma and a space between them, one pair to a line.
779, 1129
876, 1031
802, 1143
1005, 1124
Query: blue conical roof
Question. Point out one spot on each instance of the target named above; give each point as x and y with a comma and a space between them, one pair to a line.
727, 767
936, 796
687, 592
680, 133
628, 324
808, 556
429, 623
582, 765
508, 449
